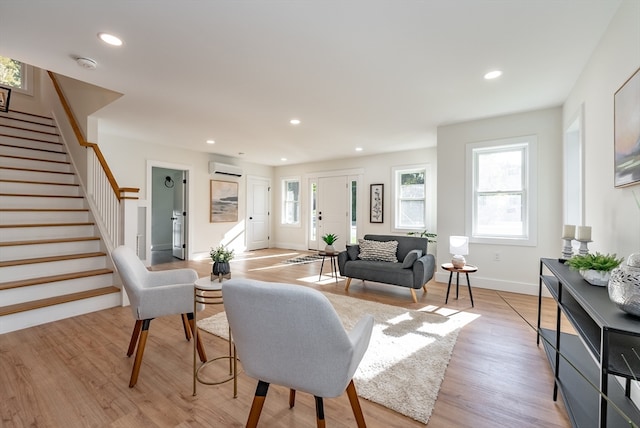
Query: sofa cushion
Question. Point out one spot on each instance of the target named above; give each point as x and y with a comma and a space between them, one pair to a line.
384, 251
411, 258
352, 252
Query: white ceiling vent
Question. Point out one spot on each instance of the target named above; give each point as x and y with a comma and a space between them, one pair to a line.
224, 169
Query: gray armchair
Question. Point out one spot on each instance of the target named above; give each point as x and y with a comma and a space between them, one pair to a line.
153, 295
290, 335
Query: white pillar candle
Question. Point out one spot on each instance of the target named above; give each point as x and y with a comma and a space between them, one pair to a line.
568, 231
584, 233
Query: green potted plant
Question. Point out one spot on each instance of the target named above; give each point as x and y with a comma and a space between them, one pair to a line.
594, 268
329, 239
221, 257
431, 237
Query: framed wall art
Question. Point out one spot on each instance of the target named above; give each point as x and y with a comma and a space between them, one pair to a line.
5, 97
224, 201
376, 203
626, 128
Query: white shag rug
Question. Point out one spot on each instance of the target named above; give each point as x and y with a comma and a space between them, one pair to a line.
407, 356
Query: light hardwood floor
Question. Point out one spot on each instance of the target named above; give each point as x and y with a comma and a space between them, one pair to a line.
75, 373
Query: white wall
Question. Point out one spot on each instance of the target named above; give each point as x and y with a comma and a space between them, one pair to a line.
612, 213
518, 267
375, 169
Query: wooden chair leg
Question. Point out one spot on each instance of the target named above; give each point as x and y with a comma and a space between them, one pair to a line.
185, 325
258, 402
413, 295
355, 405
292, 398
346, 287
201, 351
139, 352
134, 337
319, 412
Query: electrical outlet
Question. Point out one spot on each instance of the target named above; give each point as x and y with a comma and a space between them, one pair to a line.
496, 257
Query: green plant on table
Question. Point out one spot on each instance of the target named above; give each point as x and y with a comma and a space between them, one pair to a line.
221, 254
330, 238
431, 237
599, 262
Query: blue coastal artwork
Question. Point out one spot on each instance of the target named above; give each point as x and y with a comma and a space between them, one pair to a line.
224, 201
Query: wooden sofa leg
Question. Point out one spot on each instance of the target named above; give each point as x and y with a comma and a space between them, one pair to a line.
346, 287
413, 295
424, 287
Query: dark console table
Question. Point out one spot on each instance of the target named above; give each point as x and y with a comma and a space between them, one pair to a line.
607, 343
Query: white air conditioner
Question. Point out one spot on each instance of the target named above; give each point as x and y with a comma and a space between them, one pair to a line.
225, 169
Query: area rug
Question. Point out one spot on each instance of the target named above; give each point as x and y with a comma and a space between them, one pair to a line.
304, 259
407, 357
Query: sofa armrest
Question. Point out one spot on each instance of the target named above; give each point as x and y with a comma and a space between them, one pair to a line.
342, 260
423, 270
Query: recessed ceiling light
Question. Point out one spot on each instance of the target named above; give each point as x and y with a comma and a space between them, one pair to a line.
283, 159
358, 149
210, 142
493, 74
110, 39
295, 121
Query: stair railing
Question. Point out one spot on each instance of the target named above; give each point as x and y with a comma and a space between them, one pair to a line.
108, 199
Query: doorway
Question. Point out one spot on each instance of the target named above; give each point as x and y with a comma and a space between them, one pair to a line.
169, 220
258, 213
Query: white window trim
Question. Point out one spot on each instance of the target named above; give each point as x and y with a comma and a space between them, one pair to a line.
427, 197
283, 181
531, 191
27, 80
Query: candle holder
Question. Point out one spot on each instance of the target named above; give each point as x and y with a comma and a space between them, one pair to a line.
583, 246
567, 250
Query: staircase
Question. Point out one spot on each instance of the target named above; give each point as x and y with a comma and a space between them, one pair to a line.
52, 260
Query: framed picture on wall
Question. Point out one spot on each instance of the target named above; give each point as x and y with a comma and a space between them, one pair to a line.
5, 97
376, 203
626, 129
224, 201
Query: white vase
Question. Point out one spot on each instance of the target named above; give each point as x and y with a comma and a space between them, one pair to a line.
329, 249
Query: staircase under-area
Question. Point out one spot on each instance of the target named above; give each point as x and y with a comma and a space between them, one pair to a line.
52, 260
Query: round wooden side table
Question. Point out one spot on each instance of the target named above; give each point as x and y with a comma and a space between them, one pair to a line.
466, 269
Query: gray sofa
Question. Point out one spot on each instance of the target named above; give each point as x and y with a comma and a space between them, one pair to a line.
411, 271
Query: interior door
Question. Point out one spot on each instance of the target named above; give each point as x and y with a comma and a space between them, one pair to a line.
178, 218
333, 210
258, 190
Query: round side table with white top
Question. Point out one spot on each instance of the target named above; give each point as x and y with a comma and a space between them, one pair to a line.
209, 292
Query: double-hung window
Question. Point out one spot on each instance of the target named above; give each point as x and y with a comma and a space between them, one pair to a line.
15, 74
410, 198
502, 191
291, 201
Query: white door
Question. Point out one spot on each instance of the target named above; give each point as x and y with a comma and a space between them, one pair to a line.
333, 210
178, 218
258, 190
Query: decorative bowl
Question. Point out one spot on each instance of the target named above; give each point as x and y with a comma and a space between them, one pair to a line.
596, 277
624, 288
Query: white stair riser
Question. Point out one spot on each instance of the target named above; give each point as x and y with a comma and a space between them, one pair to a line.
50, 177
35, 164
10, 234
36, 270
39, 189
40, 202
28, 117
35, 217
32, 144
28, 134
30, 125
28, 319
34, 154
43, 291
21, 252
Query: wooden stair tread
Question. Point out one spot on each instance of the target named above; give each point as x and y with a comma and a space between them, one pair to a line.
38, 140
22, 262
39, 182
34, 195
57, 300
34, 159
14, 168
9, 226
26, 113
21, 128
53, 278
49, 241
42, 209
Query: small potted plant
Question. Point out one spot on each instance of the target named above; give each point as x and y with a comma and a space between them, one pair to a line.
594, 268
221, 257
329, 239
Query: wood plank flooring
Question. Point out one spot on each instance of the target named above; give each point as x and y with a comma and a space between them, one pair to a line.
75, 373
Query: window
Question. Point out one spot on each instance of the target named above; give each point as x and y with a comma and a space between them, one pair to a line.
410, 198
291, 201
502, 192
15, 74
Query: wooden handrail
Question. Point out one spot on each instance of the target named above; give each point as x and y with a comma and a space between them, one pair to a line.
119, 191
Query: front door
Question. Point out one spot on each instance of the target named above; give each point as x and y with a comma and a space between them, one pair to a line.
333, 210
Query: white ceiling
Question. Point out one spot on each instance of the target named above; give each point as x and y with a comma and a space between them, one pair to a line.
381, 75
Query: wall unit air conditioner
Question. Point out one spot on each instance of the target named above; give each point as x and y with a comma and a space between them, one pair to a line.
224, 169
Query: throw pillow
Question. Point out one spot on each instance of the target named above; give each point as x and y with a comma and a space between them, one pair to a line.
352, 251
411, 258
378, 250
